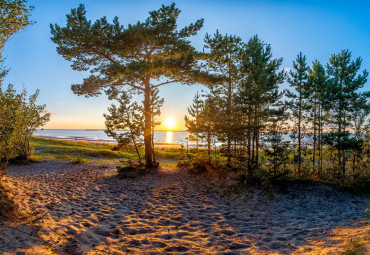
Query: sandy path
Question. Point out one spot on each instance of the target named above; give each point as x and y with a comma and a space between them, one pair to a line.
89, 211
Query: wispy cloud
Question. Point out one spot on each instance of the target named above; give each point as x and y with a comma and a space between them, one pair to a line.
287, 69
49, 112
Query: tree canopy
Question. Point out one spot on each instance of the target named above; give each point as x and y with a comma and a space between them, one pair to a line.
14, 17
143, 56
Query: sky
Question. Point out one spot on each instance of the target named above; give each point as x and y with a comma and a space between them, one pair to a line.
316, 28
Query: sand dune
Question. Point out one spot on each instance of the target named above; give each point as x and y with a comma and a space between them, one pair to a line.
85, 209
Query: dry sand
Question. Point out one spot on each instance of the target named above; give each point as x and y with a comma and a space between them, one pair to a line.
85, 209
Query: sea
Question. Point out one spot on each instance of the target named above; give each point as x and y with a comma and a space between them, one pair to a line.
98, 135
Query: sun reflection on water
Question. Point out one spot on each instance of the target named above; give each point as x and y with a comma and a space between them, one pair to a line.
169, 136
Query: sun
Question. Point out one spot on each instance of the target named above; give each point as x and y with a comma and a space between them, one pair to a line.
169, 123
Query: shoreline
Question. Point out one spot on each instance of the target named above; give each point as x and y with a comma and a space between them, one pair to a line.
101, 141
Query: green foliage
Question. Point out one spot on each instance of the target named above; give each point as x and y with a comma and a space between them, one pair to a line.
142, 56
193, 122
14, 17
130, 170
125, 123
257, 97
67, 150
19, 118
299, 81
78, 160
224, 59
341, 95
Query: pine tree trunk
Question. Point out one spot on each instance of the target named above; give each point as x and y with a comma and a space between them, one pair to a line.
314, 138
154, 159
320, 142
209, 146
299, 133
257, 137
149, 163
228, 113
249, 150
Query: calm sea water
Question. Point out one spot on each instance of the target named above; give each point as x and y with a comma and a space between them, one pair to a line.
98, 135
175, 137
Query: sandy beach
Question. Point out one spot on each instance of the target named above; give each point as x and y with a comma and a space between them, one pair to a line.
85, 209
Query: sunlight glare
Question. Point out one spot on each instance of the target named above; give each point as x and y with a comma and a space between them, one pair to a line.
169, 123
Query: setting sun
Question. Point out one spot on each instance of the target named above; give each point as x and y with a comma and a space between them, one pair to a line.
169, 123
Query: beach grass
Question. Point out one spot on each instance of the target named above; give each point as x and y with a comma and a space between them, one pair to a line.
82, 151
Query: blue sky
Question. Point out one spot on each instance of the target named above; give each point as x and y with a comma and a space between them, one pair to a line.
316, 28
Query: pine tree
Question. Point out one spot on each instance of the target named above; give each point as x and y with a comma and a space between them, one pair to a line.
344, 81
361, 110
258, 93
276, 148
142, 56
317, 80
224, 59
125, 122
192, 123
299, 80
208, 120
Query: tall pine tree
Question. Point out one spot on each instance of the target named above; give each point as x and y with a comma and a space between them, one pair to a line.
344, 81
258, 93
224, 59
299, 81
143, 56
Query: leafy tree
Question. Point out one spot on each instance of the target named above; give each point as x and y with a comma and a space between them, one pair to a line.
143, 56
258, 93
299, 80
10, 103
33, 116
224, 59
14, 17
192, 123
19, 118
127, 116
344, 81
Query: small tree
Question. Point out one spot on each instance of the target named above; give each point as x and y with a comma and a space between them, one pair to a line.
192, 123
32, 117
276, 148
19, 118
128, 116
208, 121
11, 104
